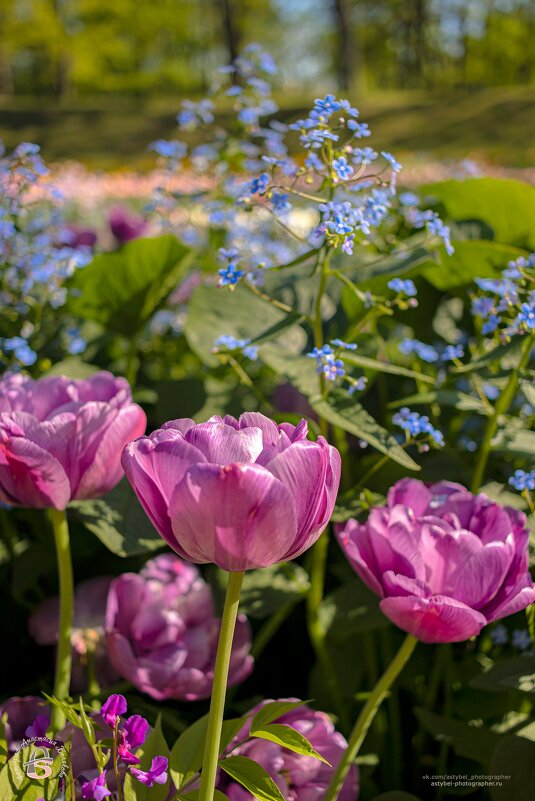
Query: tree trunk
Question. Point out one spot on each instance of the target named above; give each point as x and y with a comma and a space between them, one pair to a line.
346, 56
230, 31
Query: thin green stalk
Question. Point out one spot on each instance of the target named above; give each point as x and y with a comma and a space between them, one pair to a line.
394, 715
501, 407
318, 553
367, 715
62, 678
217, 703
120, 794
132, 362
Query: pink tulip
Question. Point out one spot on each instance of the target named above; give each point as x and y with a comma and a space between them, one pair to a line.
445, 562
242, 494
61, 439
124, 225
22, 715
162, 634
299, 778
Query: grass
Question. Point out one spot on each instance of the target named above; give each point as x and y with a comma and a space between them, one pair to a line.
494, 125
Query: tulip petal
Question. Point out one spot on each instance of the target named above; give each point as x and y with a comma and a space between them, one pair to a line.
222, 444
154, 468
302, 468
353, 540
105, 469
522, 596
480, 577
239, 517
29, 476
434, 619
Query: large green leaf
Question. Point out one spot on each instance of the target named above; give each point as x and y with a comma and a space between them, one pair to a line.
273, 711
350, 609
342, 410
253, 777
267, 590
519, 442
379, 366
119, 522
517, 673
288, 738
514, 760
154, 745
507, 206
445, 397
214, 311
472, 742
473, 258
121, 290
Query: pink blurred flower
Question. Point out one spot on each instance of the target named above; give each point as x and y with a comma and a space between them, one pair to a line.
444, 561
23, 714
90, 600
259, 493
61, 439
124, 225
299, 778
76, 236
162, 634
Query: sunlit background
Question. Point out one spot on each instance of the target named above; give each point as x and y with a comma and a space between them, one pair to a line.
96, 81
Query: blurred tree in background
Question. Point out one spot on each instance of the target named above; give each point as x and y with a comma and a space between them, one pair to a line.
76, 48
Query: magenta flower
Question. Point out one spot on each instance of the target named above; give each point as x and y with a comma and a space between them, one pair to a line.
162, 633
125, 226
113, 708
156, 774
445, 562
299, 778
241, 494
132, 736
96, 788
87, 630
61, 439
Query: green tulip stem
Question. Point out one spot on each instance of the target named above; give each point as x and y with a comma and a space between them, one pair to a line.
62, 678
367, 715
217, 703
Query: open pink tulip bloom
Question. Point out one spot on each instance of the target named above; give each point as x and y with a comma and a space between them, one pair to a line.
242, 494
61, 439
444, 561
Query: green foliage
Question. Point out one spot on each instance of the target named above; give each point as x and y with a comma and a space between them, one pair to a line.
267, 590
253, 777
122, 290
288, 738
507, 206
342, 410
187, 753
517, 673
119, 522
